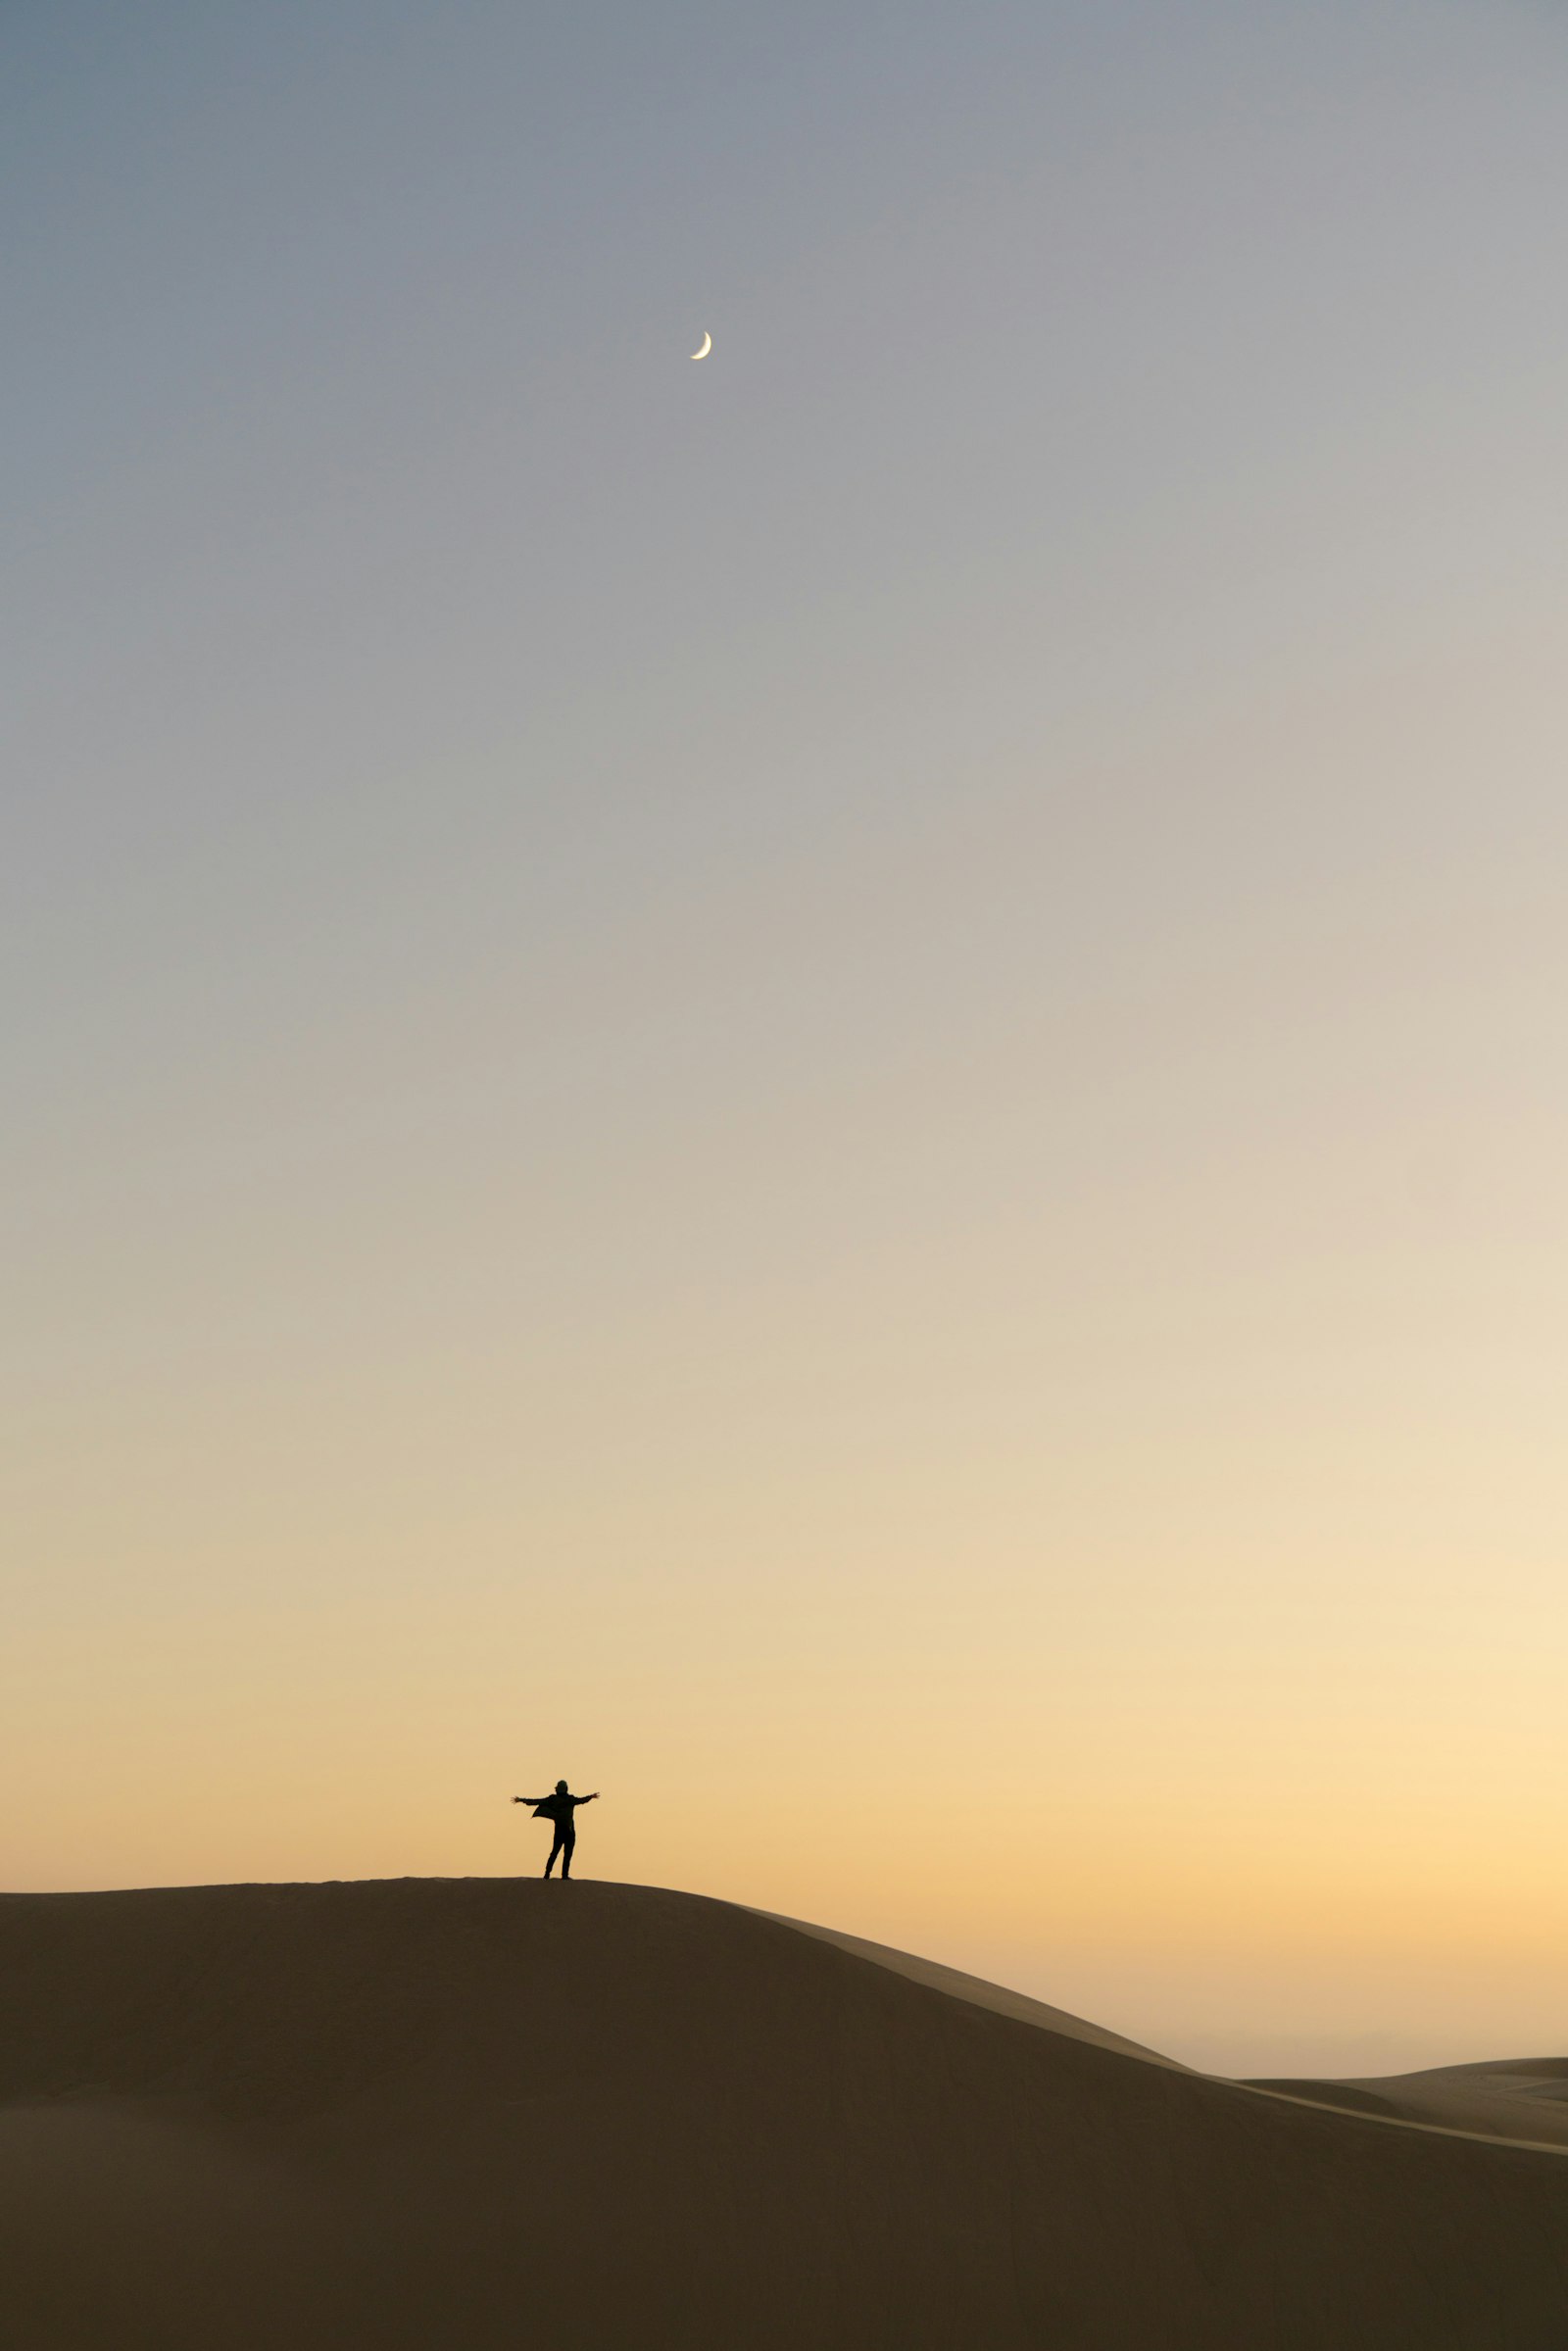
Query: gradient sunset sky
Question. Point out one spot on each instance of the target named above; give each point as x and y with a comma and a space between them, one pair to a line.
829, 1087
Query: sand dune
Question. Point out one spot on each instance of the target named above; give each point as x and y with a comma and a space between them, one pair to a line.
1522, 2098
461, 2114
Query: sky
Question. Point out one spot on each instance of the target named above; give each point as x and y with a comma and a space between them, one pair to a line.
825, 1087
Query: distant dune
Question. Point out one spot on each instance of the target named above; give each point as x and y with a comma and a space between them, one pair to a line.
1522, 2098
461, 2115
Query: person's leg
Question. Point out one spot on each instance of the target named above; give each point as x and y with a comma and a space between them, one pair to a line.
568, 1846
559, 1845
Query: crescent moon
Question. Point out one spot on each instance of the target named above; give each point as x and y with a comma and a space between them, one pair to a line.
707, 345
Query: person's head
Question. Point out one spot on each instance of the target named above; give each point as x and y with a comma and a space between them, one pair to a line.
561, 1788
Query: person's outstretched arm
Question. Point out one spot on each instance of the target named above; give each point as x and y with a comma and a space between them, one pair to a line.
530, 1800
593, 1799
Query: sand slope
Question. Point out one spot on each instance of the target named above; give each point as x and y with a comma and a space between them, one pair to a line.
1512, 2097
458, 2115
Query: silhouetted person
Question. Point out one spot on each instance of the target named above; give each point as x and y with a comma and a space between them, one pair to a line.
559, 1808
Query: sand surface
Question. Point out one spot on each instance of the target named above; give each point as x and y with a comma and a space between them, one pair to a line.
1523, 2099
464, 2113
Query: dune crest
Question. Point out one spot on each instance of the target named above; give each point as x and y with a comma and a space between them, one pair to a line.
476, 2112
977, 1991
1522, 2100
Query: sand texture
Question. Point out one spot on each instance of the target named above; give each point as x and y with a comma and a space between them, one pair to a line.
464, 2113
